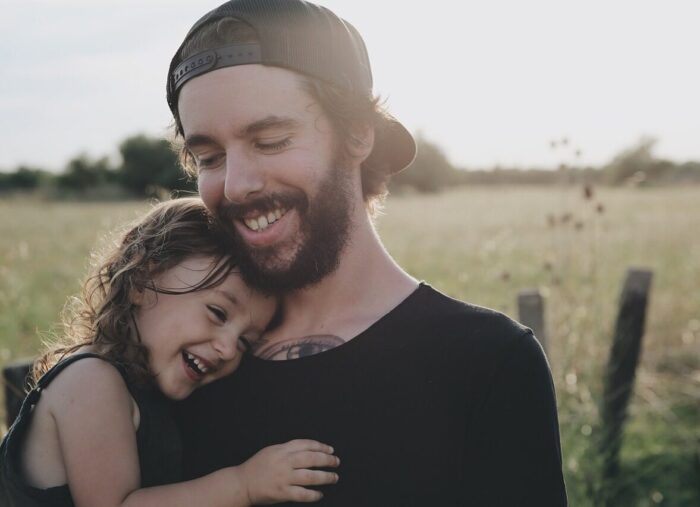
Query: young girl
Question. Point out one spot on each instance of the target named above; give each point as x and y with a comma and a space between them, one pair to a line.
165, 313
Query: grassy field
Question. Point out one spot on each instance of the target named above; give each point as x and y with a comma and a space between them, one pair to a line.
483, 246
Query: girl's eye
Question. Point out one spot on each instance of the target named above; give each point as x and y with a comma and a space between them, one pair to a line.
217, 312
276, 146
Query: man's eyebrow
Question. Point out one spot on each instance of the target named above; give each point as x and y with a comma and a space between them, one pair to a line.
269, 122
228, 295
196, 140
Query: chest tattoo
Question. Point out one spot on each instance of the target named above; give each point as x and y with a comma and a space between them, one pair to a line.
294, 348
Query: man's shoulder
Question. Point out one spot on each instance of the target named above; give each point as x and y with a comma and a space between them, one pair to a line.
458, 331
452, 317
461, 342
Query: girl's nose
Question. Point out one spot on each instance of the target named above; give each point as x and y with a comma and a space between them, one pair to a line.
226, 346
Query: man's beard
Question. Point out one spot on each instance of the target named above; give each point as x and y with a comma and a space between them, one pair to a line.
324, 230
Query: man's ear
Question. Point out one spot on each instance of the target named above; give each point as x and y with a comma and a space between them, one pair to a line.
360, 143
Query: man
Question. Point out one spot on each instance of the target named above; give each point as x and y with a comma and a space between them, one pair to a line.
426, 400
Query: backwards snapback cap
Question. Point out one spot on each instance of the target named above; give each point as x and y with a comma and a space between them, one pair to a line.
305, 38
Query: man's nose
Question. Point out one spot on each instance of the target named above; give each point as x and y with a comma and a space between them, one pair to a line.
243, 177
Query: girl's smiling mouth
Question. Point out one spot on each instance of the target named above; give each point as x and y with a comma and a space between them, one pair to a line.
197, 365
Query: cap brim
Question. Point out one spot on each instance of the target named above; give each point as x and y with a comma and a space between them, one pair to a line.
394, 146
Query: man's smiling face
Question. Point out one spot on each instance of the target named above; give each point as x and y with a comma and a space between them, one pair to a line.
269, 165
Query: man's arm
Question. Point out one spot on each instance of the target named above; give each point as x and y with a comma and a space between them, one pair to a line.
513, 453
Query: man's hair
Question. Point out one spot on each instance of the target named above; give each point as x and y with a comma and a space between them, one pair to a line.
346, 111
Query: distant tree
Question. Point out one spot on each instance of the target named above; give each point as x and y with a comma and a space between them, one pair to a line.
150, 165
24, 178
689, 172
429, 172
82, 173
635, 164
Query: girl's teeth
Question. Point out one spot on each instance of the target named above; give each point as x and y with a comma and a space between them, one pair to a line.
197, 362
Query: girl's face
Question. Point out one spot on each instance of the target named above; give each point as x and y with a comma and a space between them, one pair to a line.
194, 338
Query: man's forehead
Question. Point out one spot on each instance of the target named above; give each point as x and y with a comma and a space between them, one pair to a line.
252, 97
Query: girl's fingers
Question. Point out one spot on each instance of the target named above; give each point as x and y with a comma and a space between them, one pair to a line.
308, 445
306, 477
309, 459
299, 494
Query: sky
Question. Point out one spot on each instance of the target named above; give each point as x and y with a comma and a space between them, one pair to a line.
492, 82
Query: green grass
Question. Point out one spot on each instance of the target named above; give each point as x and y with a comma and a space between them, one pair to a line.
482, 245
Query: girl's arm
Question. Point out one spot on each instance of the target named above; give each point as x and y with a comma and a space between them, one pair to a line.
93, 411
275, 474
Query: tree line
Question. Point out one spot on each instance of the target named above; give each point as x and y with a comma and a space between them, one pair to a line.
150, 167
636, 166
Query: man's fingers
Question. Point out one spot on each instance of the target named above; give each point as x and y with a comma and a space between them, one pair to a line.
309, 459
299, 494
306, 477
308, 445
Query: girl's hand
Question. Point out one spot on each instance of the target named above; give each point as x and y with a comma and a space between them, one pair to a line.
279, 473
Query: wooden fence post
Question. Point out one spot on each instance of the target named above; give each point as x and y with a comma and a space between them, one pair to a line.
531, 313
15, 376
622, 364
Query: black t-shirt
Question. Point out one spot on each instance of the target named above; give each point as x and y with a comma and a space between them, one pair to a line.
437, 403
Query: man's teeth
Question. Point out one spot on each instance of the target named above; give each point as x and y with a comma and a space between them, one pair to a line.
199, 366
263, 221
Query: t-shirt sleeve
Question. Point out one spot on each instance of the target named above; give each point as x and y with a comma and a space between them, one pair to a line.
513, 451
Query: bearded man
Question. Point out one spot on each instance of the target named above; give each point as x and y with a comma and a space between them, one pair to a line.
426, 400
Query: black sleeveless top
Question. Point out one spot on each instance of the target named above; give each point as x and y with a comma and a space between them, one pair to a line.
157, 439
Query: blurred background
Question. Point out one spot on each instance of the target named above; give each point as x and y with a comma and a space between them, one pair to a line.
559, 146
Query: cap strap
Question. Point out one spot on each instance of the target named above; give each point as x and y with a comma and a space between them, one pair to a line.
206, 61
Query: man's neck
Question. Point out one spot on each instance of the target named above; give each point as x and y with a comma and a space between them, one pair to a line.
366, 285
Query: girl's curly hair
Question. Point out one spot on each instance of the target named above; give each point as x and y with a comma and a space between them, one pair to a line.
101, 316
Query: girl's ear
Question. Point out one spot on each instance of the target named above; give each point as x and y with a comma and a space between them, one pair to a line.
137, 296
